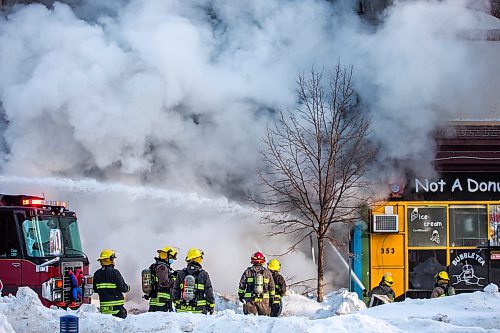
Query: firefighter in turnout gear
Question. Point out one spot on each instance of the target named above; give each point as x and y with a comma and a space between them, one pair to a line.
256, 287
109, 284
383, 293
442, 287
193, 291
280, 287
163, 277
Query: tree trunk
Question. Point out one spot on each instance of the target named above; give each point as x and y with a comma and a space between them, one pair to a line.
320, 269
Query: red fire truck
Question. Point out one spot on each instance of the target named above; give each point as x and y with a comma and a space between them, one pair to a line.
39, 246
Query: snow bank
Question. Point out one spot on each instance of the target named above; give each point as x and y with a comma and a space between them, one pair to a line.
4, 325
465, 313
491, 288
477, 312
339, 302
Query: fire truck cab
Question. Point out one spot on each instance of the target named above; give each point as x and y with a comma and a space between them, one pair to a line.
39, 246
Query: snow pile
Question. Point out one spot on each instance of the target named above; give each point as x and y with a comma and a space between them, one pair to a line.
335, 303
227, 302
4, 325
467, 313
339, 302
491, 288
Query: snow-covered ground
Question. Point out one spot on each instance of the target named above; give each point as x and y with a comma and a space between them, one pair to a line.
340, 312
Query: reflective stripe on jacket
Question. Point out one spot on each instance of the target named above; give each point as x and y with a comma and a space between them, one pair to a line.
164, 277
204, 299
279, 285
442, 290
110, 286
247, 283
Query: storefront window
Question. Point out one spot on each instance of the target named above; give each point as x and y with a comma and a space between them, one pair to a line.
468, 269
495, 225
424, 265
468, 225
427, 226
495, 267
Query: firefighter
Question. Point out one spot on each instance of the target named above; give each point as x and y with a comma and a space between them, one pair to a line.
280, 287
163, 277
383, 289
256, 287
109, 284
442, 286
193, 291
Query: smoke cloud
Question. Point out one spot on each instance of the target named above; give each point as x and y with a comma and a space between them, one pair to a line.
147, 115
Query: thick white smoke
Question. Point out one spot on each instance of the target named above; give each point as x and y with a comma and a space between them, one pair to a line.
174, 95
136, 221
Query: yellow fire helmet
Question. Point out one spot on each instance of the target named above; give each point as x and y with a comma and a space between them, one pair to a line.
194, 253
442, 276
274, 265
388, 280
107, 254
168, 251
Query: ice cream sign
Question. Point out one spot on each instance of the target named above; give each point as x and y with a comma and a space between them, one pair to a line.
427, 226
468, 185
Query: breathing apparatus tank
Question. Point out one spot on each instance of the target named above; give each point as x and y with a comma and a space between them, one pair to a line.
188, 288
259, 284
147, 281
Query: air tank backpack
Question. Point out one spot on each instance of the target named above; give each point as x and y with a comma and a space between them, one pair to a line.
258, 287
147, 282
188, 288
150, 280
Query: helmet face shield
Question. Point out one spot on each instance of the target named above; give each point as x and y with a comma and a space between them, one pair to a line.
168, 252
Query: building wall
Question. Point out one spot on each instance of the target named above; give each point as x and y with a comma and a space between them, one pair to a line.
456, 236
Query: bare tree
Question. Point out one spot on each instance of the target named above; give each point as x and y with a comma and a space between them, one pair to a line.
313, 163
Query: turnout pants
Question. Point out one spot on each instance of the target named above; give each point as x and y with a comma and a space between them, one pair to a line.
260, 308
276, 308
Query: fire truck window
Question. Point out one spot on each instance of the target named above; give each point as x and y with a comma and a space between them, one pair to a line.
423, 266
37, 234
9, 245
468, 225
71, 236
495, 225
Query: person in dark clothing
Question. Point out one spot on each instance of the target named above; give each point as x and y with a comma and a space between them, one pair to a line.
193, 291
256, 287
280, 287
164, 277
110, 286
442, 287
384, 289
